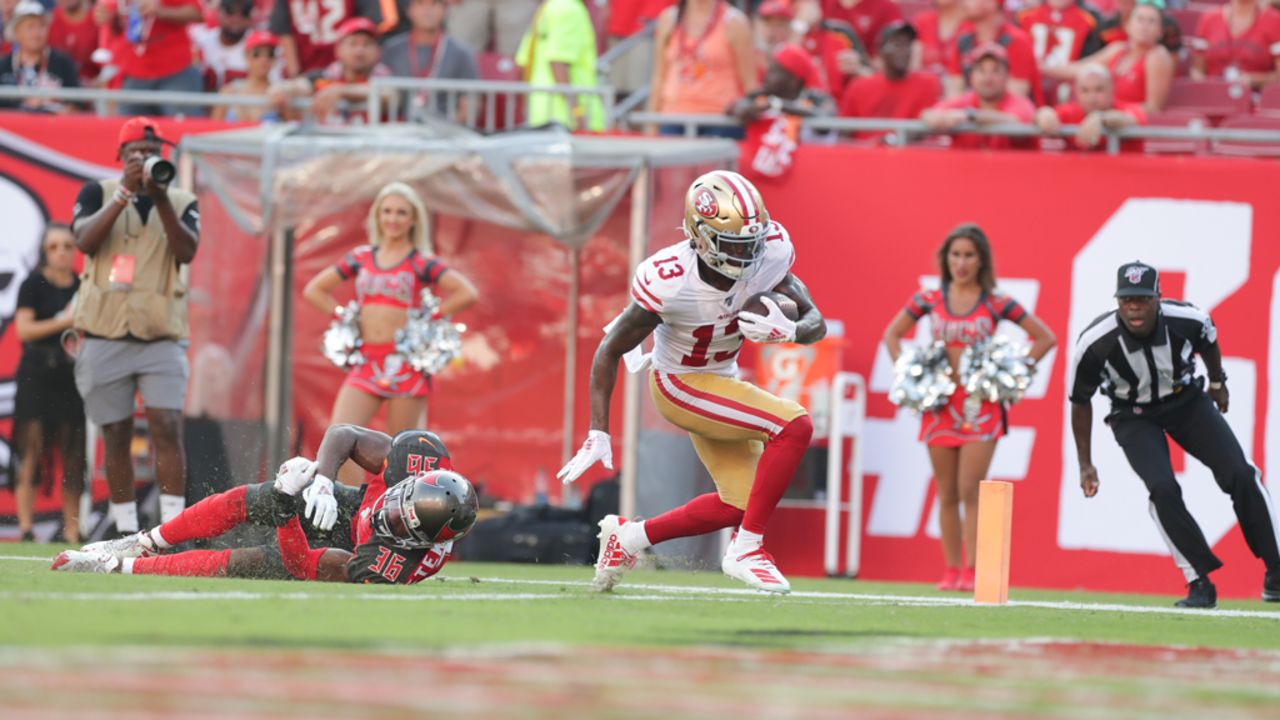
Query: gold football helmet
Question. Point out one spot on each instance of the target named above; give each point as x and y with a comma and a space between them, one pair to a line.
725, 219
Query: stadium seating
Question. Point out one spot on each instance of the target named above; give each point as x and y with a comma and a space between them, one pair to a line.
1215, 98
1178, 119
1248, 149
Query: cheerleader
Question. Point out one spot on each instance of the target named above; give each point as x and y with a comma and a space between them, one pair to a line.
961, 437
389, 273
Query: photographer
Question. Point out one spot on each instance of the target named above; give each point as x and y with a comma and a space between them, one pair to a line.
137, 233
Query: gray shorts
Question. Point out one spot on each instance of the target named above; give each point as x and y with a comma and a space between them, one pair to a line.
110, 372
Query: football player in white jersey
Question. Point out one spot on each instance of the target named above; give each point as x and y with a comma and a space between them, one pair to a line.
690, 295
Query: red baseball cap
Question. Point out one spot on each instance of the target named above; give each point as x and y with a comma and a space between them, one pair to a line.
135, 129
776, 8
259, 38
987, 50
796, 61
354, 25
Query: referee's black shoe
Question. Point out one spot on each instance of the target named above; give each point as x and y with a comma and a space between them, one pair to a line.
1271, 586
1200, 594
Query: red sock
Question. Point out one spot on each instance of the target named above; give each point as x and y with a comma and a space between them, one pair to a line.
777, 465
702, 514
208, 518
193, 563
301, 560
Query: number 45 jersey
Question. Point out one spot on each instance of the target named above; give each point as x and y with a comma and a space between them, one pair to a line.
699, 331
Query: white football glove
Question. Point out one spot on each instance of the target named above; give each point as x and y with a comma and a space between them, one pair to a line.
596, 448
294, 474
772, 328
322, 506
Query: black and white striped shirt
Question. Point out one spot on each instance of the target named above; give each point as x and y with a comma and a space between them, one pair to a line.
1134, 371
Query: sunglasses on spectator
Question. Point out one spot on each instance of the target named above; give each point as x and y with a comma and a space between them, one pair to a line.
262, 52
244, 11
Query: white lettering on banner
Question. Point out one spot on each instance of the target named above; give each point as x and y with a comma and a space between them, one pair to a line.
896, 457
1172, 235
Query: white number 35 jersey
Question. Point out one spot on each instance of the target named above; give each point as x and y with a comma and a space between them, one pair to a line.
699, 331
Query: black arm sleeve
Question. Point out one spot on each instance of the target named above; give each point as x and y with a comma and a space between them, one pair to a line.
88, 202
191, 218
28, 294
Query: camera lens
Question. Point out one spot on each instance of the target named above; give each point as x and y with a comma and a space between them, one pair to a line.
160, 171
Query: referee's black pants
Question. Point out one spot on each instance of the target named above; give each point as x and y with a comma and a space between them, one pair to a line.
1193, 421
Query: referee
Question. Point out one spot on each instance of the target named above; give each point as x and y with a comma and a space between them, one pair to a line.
1142, 357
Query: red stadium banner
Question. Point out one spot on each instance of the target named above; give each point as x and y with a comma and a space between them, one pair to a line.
40, 174
867, 224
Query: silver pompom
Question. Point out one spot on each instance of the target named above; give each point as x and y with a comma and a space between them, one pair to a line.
429, 345
922, 378
342, 340
996, 370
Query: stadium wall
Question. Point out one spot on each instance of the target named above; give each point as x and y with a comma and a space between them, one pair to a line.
867, 223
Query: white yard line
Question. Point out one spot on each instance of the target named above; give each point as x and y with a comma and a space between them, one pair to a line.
650, 593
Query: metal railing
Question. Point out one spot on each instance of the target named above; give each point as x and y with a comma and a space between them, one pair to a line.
462, 99
480, 110
903, 132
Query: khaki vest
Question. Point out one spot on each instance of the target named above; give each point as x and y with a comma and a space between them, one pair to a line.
155, 307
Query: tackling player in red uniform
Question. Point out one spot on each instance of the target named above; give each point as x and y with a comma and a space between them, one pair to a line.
378, 534
690, 297
961, 437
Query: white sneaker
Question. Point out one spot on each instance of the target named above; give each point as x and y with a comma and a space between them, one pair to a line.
612, 561
86, 562
757, 569
136, 545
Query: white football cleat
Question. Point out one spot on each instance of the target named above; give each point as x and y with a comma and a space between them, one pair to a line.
85, 562
612, 561
136, 545
757, 569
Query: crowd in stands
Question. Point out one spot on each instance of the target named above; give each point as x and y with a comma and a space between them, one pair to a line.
947, 62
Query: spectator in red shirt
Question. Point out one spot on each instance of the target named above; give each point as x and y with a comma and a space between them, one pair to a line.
153, 51
938, 29
986, 24
1061, 32
308, 29
73, 31
338, 92
1240, 42
1095, 110
896, 91
834, 45
867, 17
990, 102
1141, 68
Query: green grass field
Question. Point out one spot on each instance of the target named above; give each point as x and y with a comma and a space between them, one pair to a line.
530, 635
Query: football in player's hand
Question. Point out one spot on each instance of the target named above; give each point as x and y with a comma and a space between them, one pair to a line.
755, 304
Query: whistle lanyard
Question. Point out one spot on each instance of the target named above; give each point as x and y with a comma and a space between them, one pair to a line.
436, 53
